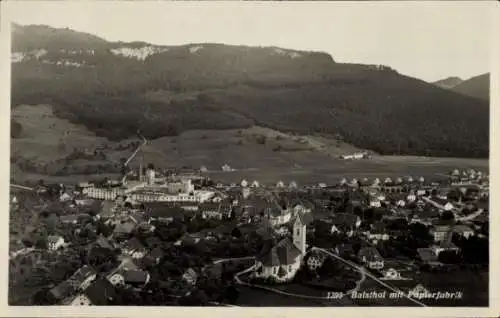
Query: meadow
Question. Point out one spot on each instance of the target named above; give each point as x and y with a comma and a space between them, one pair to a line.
255, 153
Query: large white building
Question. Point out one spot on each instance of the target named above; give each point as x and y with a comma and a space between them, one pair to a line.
151, 190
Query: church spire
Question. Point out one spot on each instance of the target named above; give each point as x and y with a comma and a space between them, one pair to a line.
299, 233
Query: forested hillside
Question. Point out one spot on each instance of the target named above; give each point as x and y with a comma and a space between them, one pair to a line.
116, 88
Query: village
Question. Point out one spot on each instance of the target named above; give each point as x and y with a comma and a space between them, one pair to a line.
157, 238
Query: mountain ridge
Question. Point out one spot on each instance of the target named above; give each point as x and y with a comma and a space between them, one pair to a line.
449, 82
476, 86
170, 89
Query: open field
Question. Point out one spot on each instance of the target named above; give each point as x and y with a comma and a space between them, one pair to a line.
45, 137
335, 169
255, 153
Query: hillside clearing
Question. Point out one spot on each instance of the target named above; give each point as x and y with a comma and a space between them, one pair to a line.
256, 153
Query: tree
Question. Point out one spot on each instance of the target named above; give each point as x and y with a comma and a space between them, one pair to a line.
231, 294
261, 139
329, 268
449, 257
455, 195
236, 232
196, 297
278, 148
15, 129
41, 242
447, 216
51, 222
193, 226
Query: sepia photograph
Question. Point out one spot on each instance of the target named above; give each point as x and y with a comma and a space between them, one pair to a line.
215, 154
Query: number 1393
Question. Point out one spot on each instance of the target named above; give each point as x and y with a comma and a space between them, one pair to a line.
334, 295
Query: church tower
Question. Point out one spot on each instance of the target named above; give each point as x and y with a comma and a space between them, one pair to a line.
299, 234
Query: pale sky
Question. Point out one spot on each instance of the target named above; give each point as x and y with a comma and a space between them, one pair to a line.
426, 40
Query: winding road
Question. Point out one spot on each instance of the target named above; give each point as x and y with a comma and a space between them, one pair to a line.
370, 275
17, 186
132, 156
362, 272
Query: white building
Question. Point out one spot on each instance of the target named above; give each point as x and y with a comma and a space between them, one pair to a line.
371, 257
245, 192
278, 216
255, 184
64, 197
244, 183
117, 279
283, 231
196, 196
315, 261
55, 242
421, 192
375, 203
391, 274
354, 182
81, 300
190, 276
448, 206
411, 197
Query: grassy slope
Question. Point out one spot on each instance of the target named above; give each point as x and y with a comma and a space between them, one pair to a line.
43, 135
306, 159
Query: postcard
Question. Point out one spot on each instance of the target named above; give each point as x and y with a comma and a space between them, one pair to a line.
249, 158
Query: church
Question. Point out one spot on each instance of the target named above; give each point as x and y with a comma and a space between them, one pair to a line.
283, 260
